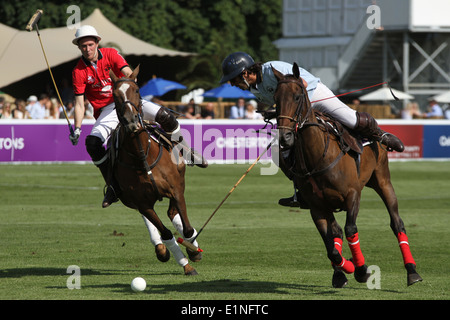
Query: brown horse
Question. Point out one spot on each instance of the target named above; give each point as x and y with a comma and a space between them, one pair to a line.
147, 172
329, 179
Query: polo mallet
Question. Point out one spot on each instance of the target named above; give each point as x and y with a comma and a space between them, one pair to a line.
232, 189
33, 23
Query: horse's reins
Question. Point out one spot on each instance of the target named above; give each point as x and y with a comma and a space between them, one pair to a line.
301, 124
142, 154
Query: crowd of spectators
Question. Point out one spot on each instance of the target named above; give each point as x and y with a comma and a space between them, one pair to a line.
49, 107
42, 107
241, 110
433, 111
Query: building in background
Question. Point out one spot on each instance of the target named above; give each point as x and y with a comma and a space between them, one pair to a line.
340, 41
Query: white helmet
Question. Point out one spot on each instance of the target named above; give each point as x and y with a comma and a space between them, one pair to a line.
85, 31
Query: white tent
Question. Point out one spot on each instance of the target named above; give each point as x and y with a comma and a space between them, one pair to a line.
384, 94
21, 54
442, 98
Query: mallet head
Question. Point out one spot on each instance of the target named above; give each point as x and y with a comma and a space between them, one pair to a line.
34, 20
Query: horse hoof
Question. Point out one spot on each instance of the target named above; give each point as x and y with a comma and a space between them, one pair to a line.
194, 256
190, 271
361, 274
162, 253
339, 279
413, 278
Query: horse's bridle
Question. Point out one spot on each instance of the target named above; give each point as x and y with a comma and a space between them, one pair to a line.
138, 108
299, 124
297, 116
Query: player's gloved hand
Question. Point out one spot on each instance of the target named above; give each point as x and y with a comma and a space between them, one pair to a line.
75, 136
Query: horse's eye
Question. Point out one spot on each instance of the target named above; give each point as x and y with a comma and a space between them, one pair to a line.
296, 97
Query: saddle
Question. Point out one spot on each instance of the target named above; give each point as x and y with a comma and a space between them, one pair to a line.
349, 141
155, 133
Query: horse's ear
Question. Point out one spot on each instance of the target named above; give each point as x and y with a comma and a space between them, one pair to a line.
296, 70
133, 76
112, 75
277, 73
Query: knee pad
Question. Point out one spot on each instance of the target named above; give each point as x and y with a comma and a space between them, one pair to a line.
94, 146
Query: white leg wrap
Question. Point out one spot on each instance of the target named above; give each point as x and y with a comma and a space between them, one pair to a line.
155, 237
176, 251
178, 224
195, 243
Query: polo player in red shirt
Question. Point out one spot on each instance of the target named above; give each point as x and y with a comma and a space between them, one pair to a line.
91, 79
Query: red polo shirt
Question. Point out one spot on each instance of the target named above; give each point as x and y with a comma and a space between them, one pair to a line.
94, 82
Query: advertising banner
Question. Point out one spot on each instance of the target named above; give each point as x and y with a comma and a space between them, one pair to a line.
220, 141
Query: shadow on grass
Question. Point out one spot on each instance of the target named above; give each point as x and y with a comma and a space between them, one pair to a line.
239, 286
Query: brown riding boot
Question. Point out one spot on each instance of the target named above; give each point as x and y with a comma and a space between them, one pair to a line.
110, 196
368, 127
171, 126
112, 190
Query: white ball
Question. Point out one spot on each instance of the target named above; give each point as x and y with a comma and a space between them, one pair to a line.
138, 284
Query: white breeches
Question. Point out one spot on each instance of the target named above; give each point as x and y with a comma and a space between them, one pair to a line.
108, 121
335, 107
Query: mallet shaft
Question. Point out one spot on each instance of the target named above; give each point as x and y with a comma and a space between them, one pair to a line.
232, 189
31, 24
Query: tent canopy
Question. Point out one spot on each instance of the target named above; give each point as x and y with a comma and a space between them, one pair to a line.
21, 54
384, 94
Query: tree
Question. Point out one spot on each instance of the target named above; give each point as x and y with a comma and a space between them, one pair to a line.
212, 29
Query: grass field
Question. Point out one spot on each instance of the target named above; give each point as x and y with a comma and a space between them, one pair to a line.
51, 218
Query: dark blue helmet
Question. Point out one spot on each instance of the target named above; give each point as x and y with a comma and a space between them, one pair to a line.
234, 64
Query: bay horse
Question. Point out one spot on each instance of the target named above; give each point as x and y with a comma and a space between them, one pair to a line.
330, 180
147, 172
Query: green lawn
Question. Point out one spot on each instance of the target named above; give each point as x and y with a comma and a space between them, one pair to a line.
51, 218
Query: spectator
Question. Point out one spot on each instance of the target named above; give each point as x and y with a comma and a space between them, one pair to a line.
189, 112
238, 111
30, 102
434, 110
37, 110
447, 112
411, 111
69, 110
208, 111
250, 112
6, 111
20, 112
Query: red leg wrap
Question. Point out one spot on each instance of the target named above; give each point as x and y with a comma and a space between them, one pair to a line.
404, 247
338, 244
353, 243
346, 266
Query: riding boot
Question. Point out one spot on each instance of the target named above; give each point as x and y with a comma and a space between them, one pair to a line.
297, 200
112, 189
94, 146
171, 126
368, 127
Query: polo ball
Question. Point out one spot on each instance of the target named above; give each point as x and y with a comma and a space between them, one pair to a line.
138, 284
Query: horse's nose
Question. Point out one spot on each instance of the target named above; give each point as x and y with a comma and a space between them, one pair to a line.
287, 140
